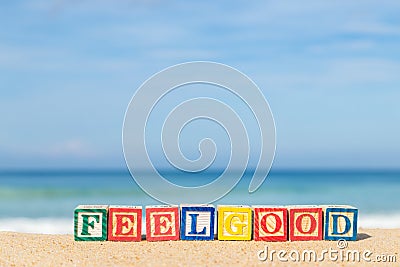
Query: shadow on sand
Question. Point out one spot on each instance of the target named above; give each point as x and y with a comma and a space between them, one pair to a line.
362, 236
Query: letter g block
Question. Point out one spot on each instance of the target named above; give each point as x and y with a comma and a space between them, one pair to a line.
234, 222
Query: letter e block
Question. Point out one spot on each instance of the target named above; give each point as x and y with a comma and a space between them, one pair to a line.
270, 223
305, 223
162, 223
90, 223
125, 223
340, 222
197, 222
234, 223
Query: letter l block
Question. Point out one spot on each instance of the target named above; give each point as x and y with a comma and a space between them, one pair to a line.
197, 222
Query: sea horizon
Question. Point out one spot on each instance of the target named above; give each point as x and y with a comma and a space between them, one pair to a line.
43, 200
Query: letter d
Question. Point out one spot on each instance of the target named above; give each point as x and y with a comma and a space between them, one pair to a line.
335, 230
263, 254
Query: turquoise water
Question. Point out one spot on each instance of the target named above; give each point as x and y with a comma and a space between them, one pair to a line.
46, 196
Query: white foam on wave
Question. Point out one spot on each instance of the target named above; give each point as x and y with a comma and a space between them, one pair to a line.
38, 225
48, 225
45, 225
383, 221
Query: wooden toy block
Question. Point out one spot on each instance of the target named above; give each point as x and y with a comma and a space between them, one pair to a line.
197, 222
162, 223
234, 223
340, 222
270, 223
125, 223
305, 223
90, 223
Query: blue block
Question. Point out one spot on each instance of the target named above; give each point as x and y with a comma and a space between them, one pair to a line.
341, 223
197, 222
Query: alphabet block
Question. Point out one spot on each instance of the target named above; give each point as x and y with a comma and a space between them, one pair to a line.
270, 223
124, 223
234, 222
90, 223
340, 222
305, 223
162, 223
197, 222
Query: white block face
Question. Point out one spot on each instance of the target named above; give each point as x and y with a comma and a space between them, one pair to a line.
341, 223
306, 223
130, 224
271, 223
203, 221
95, 220
167, 221
236, 225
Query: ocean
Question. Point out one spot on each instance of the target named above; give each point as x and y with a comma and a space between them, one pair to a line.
44, 201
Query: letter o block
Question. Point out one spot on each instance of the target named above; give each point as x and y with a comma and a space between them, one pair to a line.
90, 223
270, 223
124, 223
234, 223
305, 223
162, 223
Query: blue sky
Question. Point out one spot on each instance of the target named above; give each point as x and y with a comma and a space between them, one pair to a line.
329, 70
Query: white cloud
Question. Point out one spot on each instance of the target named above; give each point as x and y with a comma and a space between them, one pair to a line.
372, 27
72, 147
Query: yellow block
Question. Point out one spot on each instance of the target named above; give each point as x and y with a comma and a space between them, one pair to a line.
234, 223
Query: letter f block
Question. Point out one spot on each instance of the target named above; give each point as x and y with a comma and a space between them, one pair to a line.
90, 223
125, 223
162, 223
197, 222
234, 223
340, 222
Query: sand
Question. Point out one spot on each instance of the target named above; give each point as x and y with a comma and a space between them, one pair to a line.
17, 249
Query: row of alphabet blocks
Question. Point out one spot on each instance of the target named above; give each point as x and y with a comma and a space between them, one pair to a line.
197, 222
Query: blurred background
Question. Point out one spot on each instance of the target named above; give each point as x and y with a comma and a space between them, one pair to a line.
68, 69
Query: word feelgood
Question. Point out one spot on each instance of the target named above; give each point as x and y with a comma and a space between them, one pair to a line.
202, 222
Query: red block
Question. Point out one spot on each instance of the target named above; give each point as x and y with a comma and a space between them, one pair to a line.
162, 223
305, 223
124, 223
270, 223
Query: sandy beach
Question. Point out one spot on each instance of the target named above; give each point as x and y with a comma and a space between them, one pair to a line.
18, 249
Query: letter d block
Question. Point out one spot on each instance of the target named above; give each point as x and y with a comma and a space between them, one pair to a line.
270, 223
197, 222
162, 223
234, 222
90, 223
305, 223
124, 223
340, 223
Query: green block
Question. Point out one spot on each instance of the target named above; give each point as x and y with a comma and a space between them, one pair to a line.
90, 223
